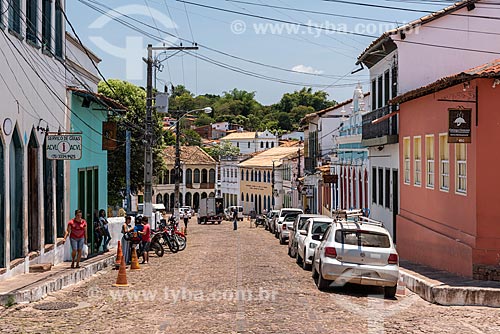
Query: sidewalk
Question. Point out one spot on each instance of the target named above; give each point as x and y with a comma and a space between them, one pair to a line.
443, 288
35, 286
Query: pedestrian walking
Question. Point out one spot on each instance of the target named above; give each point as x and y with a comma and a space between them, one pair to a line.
235, 219
104, 223
126, 228
98, 232
146, 240
185, 217
77, 232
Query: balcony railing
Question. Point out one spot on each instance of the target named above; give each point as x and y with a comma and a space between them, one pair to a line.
386, 130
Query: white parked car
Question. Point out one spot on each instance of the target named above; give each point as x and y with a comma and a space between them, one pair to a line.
298, 225
185, 210
286, 227
306, 244
281, 216
359, 252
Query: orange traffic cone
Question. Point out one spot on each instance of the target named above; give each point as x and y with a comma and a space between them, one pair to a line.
134, 265
121, 279
119, 255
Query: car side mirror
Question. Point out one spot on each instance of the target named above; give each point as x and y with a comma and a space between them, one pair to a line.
317, 237
303, 232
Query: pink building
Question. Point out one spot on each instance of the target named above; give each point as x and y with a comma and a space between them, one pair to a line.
449, 134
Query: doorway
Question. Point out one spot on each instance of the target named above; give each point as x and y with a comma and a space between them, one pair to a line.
88, 199
48, 197
16, 196
3, 239
33, 199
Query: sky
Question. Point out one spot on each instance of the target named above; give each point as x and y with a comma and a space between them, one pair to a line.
280, 52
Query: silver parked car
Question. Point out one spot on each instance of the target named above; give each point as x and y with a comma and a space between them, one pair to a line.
359, 252
269, 219
298, 225
306, 244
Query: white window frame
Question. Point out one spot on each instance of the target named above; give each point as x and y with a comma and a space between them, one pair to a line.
443, 163
406, 161
430, 165
458, 176
417, 163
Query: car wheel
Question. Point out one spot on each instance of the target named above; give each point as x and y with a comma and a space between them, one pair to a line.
321, 283
390, 291
314, 273
298, 259
305, 266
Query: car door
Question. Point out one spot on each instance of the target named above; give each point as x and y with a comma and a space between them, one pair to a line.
302, 238
322, 245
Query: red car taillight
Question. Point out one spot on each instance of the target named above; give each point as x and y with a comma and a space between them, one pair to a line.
393, 259
330, 252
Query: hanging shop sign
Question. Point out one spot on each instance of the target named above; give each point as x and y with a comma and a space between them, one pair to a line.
64, 146
108, 136
459, 129
331, 179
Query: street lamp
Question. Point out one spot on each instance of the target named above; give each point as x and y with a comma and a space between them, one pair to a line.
177, 167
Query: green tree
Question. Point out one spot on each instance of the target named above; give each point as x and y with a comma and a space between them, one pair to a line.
133, 119
223, 149
203, 119
190, 137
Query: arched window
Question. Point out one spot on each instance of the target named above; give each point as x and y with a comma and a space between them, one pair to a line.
272, 144
242, 175
189, 176
261, 144
247, 174
165, 201
196, 201
211, 176
203, 195
172, 176
166, 178
204, 176
188, 199
159, 199
251, 175
251, 198
247, 197
260, 176
242, 197
212, 194
232, 173
196, 175
265, 177
269, 177
267, 144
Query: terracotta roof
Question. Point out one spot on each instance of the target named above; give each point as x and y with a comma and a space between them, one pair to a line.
99, 98
290, 143
239, 135
413, 24
190, 155
265, 159
488, 70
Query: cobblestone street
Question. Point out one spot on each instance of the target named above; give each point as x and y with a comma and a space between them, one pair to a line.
236, 282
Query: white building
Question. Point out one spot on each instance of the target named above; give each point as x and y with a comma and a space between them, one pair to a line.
295, 135
460, 36
251, 142
229, 180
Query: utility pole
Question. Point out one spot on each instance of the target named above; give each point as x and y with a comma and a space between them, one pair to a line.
177, 167
298, 180
148, 152
127, 171
272, 185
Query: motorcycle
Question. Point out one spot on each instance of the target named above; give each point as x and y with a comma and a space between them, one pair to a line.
260, 220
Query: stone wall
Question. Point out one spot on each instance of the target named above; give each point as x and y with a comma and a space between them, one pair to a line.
486, 273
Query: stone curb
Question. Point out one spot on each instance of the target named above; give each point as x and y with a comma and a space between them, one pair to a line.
38, 291
446, 295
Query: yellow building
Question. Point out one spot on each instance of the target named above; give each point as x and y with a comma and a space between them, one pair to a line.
262, 174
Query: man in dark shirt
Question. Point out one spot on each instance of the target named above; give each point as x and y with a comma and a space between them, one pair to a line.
235, 219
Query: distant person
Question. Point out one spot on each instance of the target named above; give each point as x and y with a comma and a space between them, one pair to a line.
185, 217
77, 232
146, 240
126, 228
105, 225
98, 232
235, 219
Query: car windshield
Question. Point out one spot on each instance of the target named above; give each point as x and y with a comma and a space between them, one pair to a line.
319, 227
362, 238
284, 213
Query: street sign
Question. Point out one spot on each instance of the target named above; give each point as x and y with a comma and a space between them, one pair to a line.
66, 146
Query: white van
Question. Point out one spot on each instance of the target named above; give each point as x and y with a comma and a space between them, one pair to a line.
229, 212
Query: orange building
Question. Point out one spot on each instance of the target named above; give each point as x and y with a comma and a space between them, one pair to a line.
449, 136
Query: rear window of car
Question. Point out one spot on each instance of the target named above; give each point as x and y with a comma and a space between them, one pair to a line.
283, 213
290, 218
319, 227
302, 222
362, 238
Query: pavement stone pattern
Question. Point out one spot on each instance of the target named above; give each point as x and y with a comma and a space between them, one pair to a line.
236, 282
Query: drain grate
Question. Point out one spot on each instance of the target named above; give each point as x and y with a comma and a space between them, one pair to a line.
52, 306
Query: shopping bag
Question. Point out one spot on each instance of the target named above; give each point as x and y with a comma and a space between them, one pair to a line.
85, 251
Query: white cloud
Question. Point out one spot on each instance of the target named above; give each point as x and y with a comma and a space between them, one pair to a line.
306, 69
